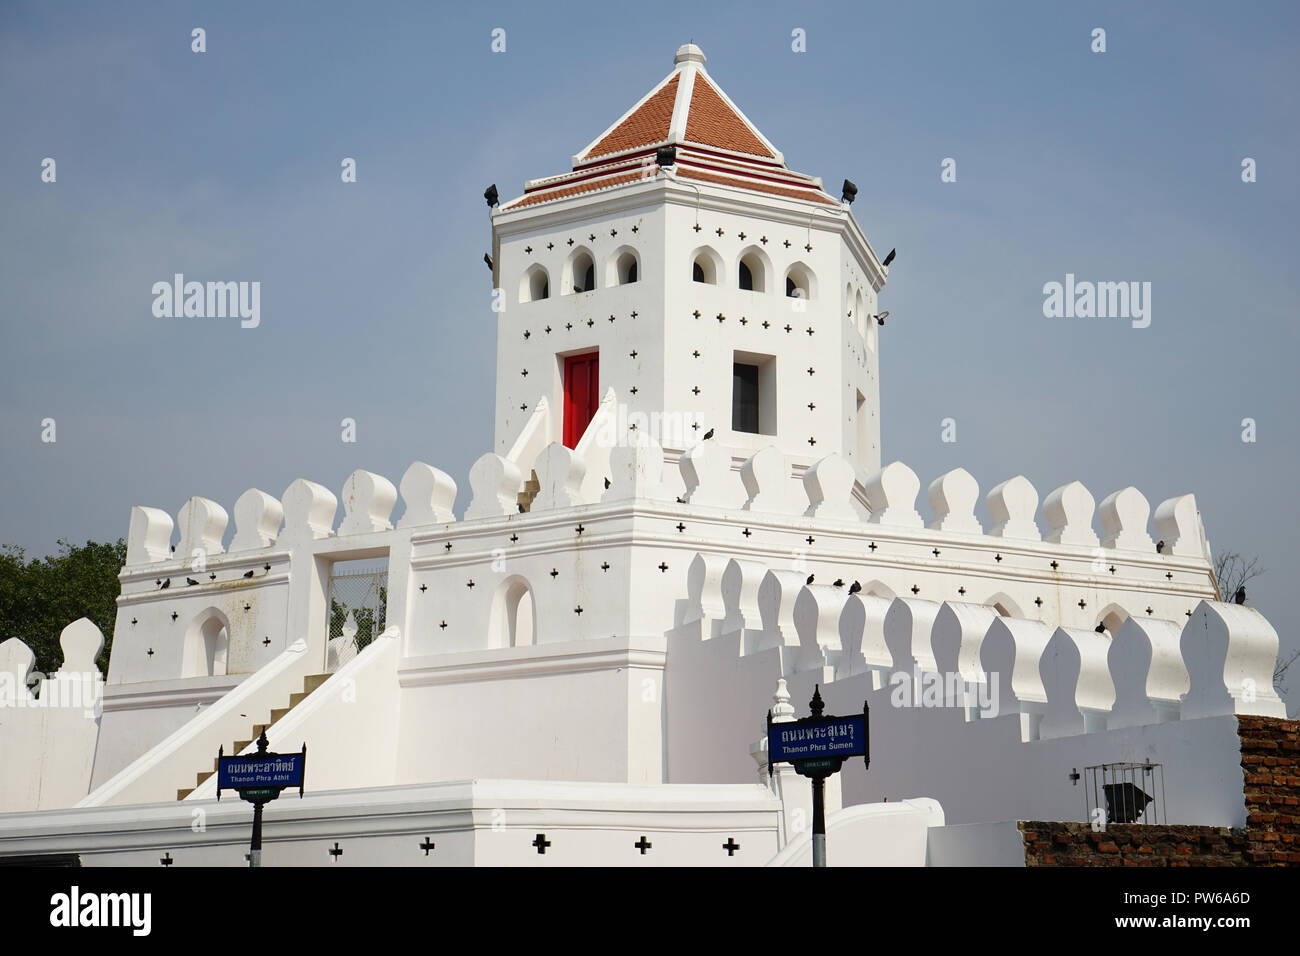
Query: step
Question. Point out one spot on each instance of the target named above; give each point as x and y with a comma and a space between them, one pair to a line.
182, 794
313, 681
280, 712
199, 778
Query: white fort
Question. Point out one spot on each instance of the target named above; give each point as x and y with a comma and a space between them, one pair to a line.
683, 522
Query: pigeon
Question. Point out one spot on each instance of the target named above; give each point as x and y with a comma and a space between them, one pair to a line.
708, 434
1240, 596
488, 259
165, 585
889, 258
810, 579
191, 582
1160, 547
855, 587
1100, 629
606, 484
838, 582
248, 574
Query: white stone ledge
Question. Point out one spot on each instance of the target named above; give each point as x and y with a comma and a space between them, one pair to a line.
570, 657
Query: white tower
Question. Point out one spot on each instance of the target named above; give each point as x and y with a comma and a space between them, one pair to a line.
711, 289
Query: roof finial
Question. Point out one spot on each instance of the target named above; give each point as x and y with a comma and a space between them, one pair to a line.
688, 53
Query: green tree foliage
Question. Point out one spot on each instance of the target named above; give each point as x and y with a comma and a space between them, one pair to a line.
40, 597
368, 628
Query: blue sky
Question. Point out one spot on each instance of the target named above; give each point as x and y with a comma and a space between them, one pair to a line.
1116, 166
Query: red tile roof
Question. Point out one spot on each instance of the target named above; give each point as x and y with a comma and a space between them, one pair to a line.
712, 122
648, 124
715, 144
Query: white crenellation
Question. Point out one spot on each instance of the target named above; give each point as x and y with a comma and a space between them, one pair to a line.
150, 535
817, 610
776, 597
704, 601
706, 471
81, 642
368, 501
1178, 524
1146, 666
1230, 651
1076, 679
952, 499
308, 510
258, 517
560, 473
829, 486
202, 523
957, 636
1069, 510
764, 476
740, 583
1124, 516
16, 664
908, 626
428, 494
1012, 649
636, 471
494, 481
891, 496
862, 639
1012, 505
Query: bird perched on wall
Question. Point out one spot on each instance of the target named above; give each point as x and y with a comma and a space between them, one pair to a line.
708, 434
889, 258
855, 587
1100, 629
1160, 547
810, 579
1239, 597
248, 574
191, 582
606, 484
165, 585
488, 259
838, 582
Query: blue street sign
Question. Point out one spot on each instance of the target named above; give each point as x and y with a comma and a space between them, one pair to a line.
816, 737
261, 771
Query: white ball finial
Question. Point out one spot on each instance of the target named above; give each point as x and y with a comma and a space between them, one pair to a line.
688, 53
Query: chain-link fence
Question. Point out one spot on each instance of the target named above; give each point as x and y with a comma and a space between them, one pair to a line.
358, 608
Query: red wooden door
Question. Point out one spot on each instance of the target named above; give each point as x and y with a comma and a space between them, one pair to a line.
581, 394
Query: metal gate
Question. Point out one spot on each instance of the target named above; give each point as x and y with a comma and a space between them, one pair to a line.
358, 606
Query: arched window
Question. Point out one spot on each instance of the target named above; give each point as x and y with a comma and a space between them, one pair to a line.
705, 266
623, 267
207, 643
799, 282
535, 284
581, 275
752, 270
512, 615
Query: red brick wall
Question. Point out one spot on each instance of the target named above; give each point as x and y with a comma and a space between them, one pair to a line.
1270, 760
1270, 764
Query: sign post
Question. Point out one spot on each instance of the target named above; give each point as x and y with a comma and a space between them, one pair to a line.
259, 778
817, 746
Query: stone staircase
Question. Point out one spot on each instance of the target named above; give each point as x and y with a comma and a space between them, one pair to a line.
309, 684
531, 487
